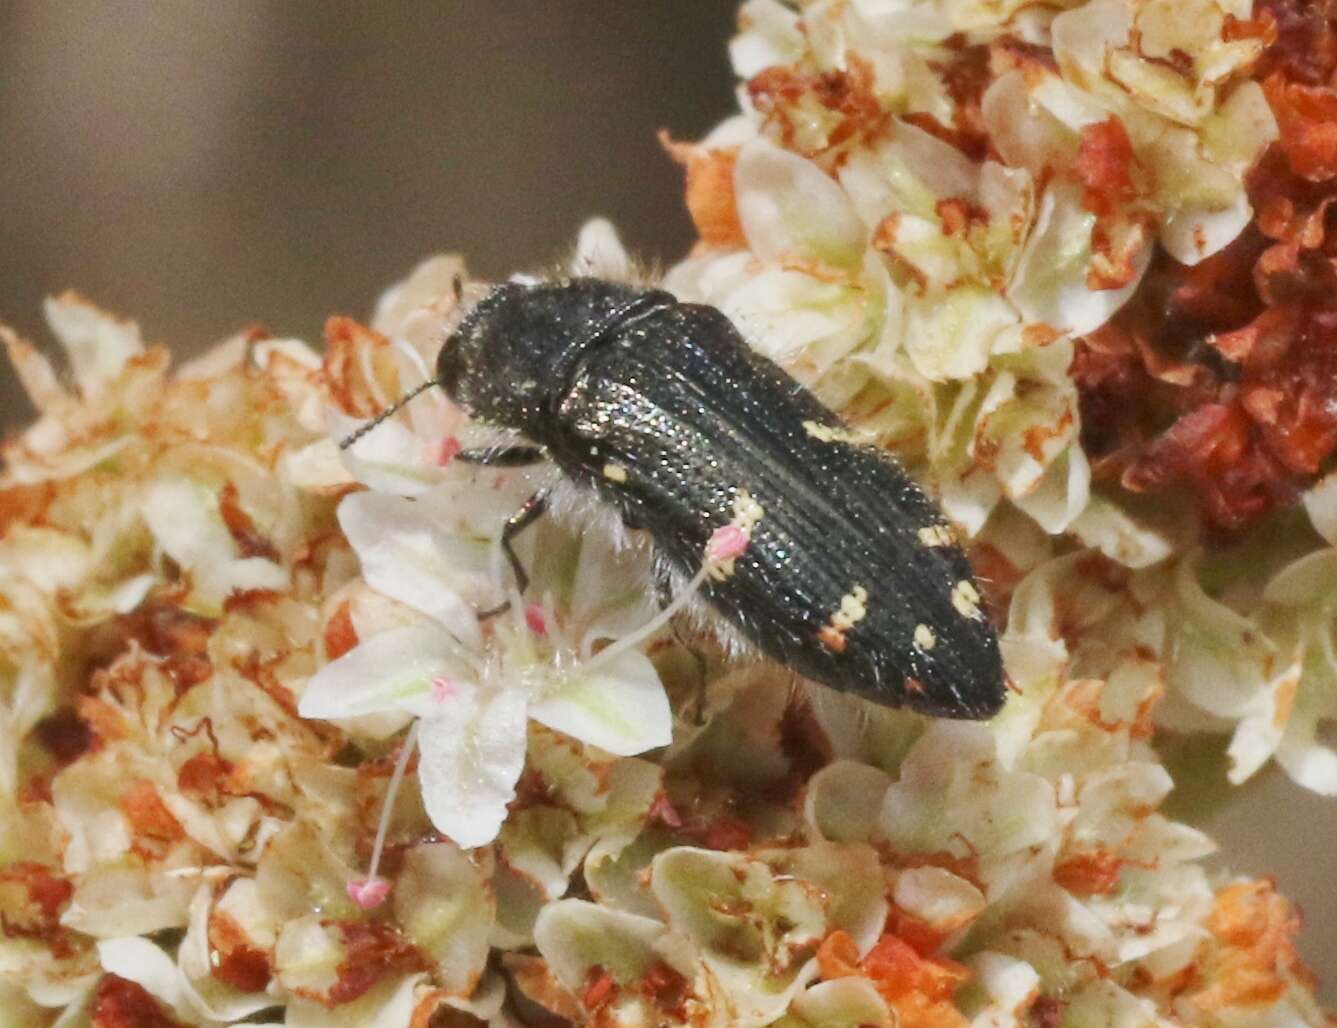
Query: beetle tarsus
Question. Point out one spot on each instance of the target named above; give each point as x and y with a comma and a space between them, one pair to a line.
530, 511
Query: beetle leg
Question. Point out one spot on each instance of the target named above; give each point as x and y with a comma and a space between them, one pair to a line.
530, 511
663, 572
504, 457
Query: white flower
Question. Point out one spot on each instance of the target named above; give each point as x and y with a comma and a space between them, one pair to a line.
472, 686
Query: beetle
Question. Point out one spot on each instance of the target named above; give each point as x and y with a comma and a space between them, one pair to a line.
851, 575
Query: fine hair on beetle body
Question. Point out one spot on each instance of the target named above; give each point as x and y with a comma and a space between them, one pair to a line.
842, 568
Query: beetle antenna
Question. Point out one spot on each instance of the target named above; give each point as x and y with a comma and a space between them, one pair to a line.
367, 426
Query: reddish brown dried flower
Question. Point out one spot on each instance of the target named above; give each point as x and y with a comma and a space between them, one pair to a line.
1222, 378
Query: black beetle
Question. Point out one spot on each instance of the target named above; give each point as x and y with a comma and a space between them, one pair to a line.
851, 575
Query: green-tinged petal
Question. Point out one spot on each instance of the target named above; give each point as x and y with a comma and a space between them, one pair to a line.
388, 1004
1221, 658
756, 930
843, 799
1050, 285
444, 905
619, 706
842, 1003
791, 209
575, 936
390, 671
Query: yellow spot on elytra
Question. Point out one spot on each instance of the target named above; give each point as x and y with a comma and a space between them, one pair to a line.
966, 599
853, 609
615, 473
924, 637
746, 511
829, 433
937, 535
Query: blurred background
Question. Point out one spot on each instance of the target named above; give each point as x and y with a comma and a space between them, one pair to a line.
201, 166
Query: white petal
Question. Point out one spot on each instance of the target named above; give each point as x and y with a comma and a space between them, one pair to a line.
1061, 493
471, 760
620, 706
770, 35
790, 208
390, 671
1119, 536
1261, 730
34, 371
842, 801
97, 343
210, 996
1307, 761
610, 595
140, 961
249, 573
388, 1004
409, 557
950, 336
843, 1001
317, 466
1305, 582
184, 519
938, 897
1221, 658
599, 252
1193, 234
1009, 984
389, 458
1321, 506
429, 283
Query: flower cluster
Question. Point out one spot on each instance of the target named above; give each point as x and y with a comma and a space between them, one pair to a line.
182, 846
1044, 253
281, 741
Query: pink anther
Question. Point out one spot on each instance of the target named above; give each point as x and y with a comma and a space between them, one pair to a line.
536, 619
368, 893
726, 543
446, 450
443, 688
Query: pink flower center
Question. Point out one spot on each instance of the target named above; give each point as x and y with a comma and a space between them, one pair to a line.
536, 619
368, 893
443, 689
726, 543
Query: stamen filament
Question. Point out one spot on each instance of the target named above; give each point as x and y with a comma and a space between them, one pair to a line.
652, 626
727, 543
371, 891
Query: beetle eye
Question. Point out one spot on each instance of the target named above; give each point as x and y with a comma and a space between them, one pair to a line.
448, 365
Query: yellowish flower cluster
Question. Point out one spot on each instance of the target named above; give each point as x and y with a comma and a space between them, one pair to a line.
241, 665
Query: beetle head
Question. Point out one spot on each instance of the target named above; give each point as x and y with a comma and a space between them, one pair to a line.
514, 348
